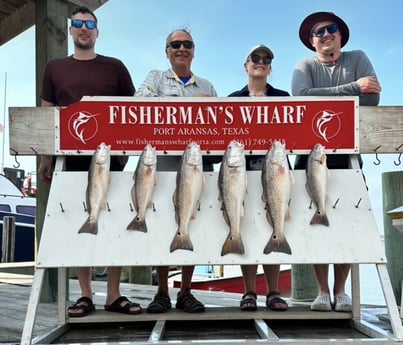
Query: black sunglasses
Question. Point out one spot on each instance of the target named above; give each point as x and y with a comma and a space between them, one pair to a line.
78, 24
257, 58
177, 44
331, 29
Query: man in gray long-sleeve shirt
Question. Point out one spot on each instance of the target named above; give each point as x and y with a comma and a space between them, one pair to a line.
332, 73
350, 76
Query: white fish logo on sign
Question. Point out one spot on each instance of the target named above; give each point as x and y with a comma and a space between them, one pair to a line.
83, 126
326, 124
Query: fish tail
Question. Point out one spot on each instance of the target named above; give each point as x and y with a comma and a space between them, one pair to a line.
181, 241
89, 227
320, 218
233, 244
137, 224
277, 244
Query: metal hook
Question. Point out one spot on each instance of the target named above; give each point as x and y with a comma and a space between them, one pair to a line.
377, 160
399, 161
17, 165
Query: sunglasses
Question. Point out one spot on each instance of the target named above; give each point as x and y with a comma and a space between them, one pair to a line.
78, 24
331, 29
177, 44
257, 58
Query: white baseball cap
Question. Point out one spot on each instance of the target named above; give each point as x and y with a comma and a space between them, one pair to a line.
261, 47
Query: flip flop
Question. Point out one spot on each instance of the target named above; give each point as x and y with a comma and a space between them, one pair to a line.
118, 306
248, 304
84, 305
271, 301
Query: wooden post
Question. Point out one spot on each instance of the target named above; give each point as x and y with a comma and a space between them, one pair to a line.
140, 275
51, 42
8, 242
392, 197
303, 282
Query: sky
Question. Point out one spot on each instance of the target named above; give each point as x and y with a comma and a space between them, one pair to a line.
224, 31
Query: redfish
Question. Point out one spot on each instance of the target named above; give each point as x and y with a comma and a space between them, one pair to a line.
97, 188
276, 182
317, 175
232, 185
145, 179
186, 198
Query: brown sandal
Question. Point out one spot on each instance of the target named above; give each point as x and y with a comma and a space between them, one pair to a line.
248, 304
160, 304
83, 305
273, 299
188, 303
118, 306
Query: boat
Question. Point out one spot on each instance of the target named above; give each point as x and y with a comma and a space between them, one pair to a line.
229, 279
13, 203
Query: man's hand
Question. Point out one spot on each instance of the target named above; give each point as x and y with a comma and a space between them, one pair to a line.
45, 170
202, 95
369, 85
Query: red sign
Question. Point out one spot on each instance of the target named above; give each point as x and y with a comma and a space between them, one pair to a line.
169, 124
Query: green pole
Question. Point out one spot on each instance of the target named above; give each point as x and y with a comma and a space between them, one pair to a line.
140, 275
392, 197
303, 283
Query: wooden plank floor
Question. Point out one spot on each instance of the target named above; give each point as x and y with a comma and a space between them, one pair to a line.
225, 322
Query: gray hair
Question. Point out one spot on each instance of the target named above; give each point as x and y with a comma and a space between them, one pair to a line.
168, 39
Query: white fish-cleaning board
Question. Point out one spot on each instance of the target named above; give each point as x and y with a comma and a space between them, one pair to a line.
352, 236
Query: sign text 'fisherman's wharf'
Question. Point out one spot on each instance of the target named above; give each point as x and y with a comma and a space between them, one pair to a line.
129, 123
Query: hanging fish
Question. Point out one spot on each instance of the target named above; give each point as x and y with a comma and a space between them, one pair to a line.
145, 179
186, 198
232, 183
98, 182
276, 182
317, 175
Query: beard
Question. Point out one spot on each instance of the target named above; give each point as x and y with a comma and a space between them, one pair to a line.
87, 45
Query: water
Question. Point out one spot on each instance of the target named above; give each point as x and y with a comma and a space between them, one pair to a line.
370, 287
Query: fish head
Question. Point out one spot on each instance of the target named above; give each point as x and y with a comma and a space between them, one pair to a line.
102, 154
193, 154
318, 152
277, 153
149, 155
235, 154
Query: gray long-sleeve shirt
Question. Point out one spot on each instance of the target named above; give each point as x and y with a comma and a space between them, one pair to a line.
312, 77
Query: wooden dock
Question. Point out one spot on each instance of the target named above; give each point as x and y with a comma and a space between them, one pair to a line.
222, 320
